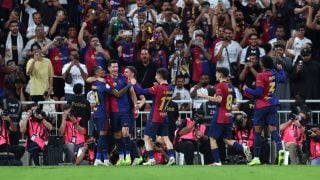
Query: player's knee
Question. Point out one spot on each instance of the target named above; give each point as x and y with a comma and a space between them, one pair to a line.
125, 131
117, 135
272, 128
103, 133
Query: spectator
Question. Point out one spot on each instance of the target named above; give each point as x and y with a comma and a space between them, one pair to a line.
201, 57
37, 19
200, 88
59, 27
181, 93
41, 74
306, 76
228, 51
73, 73
92, 52
40, 38
13, 72
252, 48
283, 89
178, 64
295, 43
14, 44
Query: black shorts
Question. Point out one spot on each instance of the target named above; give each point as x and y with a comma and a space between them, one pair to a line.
58, 87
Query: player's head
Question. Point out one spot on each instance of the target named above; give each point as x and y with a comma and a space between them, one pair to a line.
130, 71
97, 71
162, 74
113, 67
267, 62
222, 73
77, 88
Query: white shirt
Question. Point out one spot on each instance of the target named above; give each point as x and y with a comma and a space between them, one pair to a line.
184, 93
202, 90
244, 53
76, 77
234, 50
135, 20
295, 49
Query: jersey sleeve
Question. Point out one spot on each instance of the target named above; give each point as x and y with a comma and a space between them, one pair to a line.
104, 88
259, 80
142, 91
219, 91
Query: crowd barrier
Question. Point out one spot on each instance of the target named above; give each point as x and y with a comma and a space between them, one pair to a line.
143, 115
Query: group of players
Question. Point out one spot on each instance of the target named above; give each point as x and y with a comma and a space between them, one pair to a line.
123, 102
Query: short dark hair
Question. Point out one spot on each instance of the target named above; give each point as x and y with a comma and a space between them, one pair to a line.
223, 70
180, 76
13, 21
120, 6
112, 62
77, 88
132, 69
228, 28
267, 62
163, 73
252, 34
35, 44
94, 70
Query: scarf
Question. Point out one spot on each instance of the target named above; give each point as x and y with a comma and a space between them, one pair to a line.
20, 46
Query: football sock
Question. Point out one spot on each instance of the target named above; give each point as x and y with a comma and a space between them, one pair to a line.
215, 155
150, 154
103, 141
134, 149
120, 148
237, 146
171, 152
126, 143
257, 144
275, 136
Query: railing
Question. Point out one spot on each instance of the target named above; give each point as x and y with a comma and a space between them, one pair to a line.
143, 115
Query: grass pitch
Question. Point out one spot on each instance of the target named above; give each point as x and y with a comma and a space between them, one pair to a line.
236, 172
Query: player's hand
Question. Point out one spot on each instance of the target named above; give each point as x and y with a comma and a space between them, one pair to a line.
133, 81
279, 66
203, 95
84, 25
244, 87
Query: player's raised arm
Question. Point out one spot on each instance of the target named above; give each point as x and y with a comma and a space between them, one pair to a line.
138, 89
280, 75
215, 98
117, 93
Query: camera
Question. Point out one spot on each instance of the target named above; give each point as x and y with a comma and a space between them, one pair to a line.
197, 119
238, 122
158, 144
71, 113
308, 132
37, 112
91, 145
4, 112
296, 117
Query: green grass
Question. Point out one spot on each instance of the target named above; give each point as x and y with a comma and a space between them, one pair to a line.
237, 172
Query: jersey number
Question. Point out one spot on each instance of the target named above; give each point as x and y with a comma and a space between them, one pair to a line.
272, 88
229, 102
164, 103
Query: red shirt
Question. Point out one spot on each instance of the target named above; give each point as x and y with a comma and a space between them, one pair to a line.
223, 109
